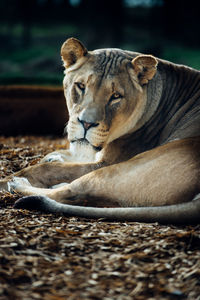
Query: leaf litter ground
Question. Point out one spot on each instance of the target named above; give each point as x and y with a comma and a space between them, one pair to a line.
51, 257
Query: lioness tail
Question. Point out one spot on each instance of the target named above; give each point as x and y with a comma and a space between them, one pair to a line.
183, 213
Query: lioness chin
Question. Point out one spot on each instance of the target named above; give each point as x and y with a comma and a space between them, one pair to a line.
134, 133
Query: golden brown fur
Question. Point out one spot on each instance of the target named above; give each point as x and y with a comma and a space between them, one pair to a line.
133, 128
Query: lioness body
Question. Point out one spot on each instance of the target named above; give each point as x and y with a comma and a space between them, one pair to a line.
134, 135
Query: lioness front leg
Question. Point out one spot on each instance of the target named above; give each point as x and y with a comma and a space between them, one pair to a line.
45, 175
61, 194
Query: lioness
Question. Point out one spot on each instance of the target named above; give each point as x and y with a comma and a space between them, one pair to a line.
134, 132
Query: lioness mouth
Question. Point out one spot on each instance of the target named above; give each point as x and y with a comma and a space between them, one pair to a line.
84, 141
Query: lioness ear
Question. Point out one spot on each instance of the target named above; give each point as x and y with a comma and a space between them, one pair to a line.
145, 67
71, 51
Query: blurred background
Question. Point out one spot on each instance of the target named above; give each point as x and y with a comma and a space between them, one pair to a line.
32, 32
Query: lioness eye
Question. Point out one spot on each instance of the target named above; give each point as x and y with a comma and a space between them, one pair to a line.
80, 85
115, 97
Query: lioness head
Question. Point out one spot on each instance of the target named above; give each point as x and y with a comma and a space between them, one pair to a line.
105, 92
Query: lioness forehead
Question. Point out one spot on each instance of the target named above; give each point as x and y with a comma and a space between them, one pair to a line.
108, 62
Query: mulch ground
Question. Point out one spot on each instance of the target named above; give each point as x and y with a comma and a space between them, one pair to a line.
52, 257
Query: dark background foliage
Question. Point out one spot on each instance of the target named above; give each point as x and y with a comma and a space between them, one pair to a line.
32, 32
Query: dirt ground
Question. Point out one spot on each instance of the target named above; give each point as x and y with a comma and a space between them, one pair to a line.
52, 257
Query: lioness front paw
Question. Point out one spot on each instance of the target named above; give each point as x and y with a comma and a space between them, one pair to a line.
18, 184
59, 185
53, 157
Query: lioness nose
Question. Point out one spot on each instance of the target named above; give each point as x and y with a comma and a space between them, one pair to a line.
87, 125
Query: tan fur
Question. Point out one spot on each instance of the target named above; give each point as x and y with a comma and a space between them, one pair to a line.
122, 152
